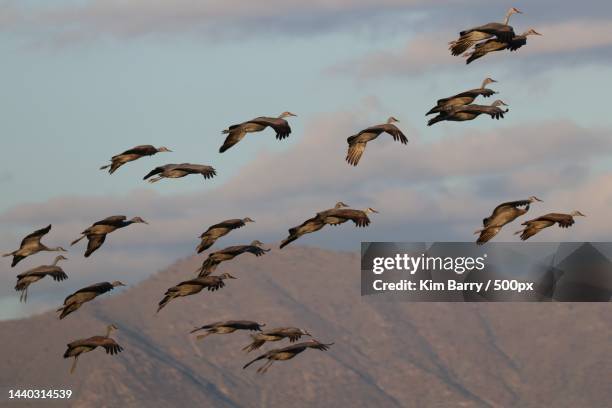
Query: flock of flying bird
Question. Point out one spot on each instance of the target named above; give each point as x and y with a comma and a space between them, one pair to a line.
474, 43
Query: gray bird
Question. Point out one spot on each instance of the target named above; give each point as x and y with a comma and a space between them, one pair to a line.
286, 353
73, 302
472, 36
214, 232
96, 234
179, 170
31, 245
226, 254
227, 327
484, 48
25, 279
277, 334
310, 225
78, 347
194, 286
503, 214
237, 132
470, 112
463, 98
357, 143
536, 225
132, 154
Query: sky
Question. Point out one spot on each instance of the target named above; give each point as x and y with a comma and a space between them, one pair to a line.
83, 80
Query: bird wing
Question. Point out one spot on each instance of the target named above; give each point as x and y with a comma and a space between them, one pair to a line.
206, 171
230, 224
112, 220
564, 220
54, 271
141, 150
359, 217
255, 250
36, 235
98, 288
280, 126
157, 170
517, 42
502, 31
492, 111
514, 204
487, 234
236, 134
94, 242
396, 133
354, 153
472, 93
243, 325
111, 346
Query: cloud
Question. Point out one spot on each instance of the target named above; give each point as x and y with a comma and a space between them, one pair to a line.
427, 190
137, 18
6, 177
566, 42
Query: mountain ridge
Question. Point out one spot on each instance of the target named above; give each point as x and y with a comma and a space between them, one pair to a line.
386, 351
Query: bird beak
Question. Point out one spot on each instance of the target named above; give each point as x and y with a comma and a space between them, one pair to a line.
493, 80
536, 33
537, 199
232, 277
375, 211
292, 114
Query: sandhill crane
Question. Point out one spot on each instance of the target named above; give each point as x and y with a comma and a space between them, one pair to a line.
463, 98
503, 214
334, 216
179, 170
78, 347
357, 143
470, 37
226, 254
31, 245
96, 234
339, 216
482, 49
310, 225
227, 327
214, 232
287, 353
24, 280
132, 154
277, 334
470, 112
536, 225
76, 300
193, 286
237, 132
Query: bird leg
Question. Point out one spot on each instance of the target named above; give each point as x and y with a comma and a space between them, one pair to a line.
25, 298
74, 363
265, 367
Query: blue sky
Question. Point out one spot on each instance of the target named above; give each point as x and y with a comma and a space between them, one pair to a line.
83, 80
